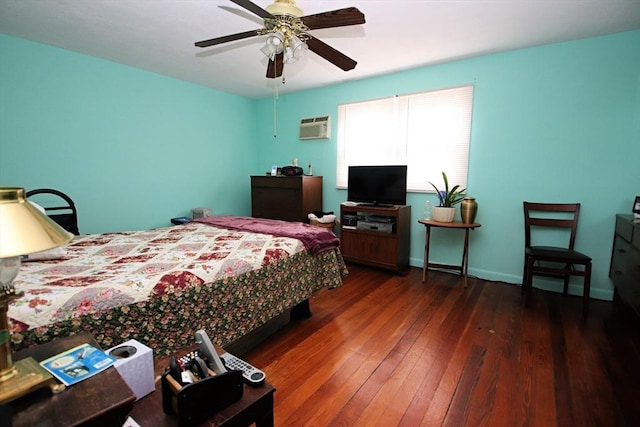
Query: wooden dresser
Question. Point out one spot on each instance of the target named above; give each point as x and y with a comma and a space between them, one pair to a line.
289, 198
625, 261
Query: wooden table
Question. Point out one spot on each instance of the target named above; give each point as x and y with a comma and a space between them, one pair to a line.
462, 268
255, 406
104, 399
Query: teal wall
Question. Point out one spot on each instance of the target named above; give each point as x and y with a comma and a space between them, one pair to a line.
557, 123
554, 123
132, 148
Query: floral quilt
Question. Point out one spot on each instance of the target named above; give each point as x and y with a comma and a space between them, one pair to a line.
159, 286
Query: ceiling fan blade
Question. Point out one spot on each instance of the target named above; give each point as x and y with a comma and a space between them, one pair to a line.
337, 58
334, 18
254, 8
229, 38
275, 67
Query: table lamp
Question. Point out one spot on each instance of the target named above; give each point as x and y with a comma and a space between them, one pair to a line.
24, 229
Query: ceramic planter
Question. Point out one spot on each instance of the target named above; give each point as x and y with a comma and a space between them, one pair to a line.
443, 214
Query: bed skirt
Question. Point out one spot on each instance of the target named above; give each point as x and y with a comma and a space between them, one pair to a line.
228, 309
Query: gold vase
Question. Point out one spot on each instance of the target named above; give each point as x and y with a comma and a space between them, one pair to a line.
468, 210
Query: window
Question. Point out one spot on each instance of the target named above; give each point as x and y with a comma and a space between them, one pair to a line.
429, 132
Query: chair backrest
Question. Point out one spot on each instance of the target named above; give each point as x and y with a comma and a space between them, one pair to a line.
551, 215
68, 218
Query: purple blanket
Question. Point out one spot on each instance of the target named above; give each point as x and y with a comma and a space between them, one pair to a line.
314, 239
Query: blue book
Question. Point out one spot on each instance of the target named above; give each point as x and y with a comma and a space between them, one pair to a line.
77, 364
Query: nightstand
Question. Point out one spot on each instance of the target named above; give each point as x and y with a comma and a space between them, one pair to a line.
104, 399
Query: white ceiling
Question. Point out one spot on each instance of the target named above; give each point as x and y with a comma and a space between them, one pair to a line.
159, 35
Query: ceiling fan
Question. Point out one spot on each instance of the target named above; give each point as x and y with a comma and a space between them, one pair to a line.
287, 29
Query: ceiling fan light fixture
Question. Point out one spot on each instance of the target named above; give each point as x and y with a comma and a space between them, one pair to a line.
276, 41
284, 7
298, 47
268, 51
287, 42
289, 57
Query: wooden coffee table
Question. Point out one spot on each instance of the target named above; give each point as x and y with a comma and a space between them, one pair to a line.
255, 406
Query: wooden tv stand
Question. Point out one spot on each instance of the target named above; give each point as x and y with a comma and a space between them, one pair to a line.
388, 250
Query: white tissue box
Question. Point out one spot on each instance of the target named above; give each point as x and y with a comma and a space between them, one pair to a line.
134, 362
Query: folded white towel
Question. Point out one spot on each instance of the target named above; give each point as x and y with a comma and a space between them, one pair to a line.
325, 219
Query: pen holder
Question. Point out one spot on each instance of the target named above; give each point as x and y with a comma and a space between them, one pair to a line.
198, 401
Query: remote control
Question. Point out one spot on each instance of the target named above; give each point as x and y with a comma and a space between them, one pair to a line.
252, 375
206, 348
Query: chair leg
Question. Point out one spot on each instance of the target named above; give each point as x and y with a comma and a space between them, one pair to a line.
587, 289
528, 282
524, 276
567, 277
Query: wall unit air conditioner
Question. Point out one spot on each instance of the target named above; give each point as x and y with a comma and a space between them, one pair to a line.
315, 128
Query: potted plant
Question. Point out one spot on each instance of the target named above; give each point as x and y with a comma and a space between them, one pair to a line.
446, 211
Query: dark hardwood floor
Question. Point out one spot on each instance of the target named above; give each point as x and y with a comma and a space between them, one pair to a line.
389, 350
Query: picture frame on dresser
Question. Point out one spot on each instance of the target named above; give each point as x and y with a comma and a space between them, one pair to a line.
636, 207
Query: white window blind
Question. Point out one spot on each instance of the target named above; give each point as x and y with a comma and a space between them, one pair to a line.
429, 132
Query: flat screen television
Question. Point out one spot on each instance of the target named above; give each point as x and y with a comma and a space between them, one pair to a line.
377, 185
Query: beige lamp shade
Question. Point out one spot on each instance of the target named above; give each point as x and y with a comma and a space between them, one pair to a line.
24, 229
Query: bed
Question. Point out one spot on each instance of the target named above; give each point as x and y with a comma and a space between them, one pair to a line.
227, 275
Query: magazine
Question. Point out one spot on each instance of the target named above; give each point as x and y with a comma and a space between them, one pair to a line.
77, 364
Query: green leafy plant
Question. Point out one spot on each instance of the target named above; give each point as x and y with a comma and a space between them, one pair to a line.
449, 198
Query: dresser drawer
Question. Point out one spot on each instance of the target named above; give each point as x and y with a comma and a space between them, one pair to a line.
276, 203
626, 276
621, 251
624, 228
277, 182
628, 289
633, 266
635, 241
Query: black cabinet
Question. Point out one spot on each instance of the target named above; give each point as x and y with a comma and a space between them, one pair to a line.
625, 261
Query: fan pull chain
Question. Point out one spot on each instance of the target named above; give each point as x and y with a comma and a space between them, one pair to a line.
275, 110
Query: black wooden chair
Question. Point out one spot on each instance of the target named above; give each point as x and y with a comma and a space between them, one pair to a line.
64, 214
554, 261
